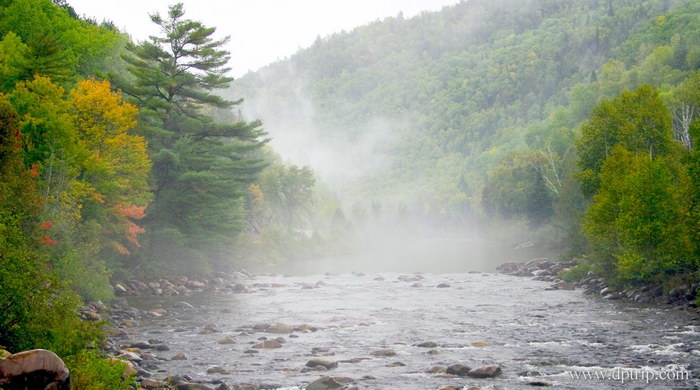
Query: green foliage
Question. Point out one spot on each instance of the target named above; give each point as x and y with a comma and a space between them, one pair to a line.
638, 223
577, 272
637, 120
90, 370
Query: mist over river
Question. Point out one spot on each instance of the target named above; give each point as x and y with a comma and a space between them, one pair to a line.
538, 337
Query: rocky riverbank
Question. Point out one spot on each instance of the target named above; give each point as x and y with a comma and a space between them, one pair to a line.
682, 296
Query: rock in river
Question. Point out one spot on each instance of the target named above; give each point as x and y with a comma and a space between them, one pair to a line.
490, 371
324, 383
321, 362
383, 353
279, 328
427, 344
458, 369
179, 356
267, 344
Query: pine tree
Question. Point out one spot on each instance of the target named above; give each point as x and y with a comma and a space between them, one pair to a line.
200, 168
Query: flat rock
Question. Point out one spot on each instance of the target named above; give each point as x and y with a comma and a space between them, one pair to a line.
321, 362
218, 370
383, 353
268, 344
226, 341
279, 328
151, 384
324, 383
193, 386
427, 344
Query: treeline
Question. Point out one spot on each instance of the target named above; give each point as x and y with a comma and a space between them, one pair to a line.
112, 166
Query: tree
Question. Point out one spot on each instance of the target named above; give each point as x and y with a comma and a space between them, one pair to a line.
685, 108
637, 120
639, 224
201, 169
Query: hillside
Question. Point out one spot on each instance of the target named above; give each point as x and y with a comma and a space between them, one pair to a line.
419, 112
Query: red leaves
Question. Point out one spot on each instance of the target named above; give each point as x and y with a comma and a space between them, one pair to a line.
35, 170
46, 240
46, 225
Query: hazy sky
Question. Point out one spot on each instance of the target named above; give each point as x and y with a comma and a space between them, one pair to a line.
261, 31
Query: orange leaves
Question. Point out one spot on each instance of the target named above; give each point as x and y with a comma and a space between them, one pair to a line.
46, 225
130, 211
121, 249
132, 230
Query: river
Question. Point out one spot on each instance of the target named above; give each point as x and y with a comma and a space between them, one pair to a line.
538, 337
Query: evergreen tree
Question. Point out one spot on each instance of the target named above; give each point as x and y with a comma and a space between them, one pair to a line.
200, 168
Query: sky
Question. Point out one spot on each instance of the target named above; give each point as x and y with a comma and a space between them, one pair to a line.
262, 31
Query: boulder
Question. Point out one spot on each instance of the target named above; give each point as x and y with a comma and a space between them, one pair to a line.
227, 341
141, 345
119, 290
427, 344
490, 371
458, 369
34, 369
130, 356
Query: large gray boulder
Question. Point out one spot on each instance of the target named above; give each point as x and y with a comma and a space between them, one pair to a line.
34, 369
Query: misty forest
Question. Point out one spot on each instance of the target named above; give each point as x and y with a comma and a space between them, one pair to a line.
499, 194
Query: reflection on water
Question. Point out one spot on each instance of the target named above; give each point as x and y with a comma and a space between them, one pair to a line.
477, 319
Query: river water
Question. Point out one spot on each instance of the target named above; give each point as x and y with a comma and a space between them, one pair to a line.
535, 335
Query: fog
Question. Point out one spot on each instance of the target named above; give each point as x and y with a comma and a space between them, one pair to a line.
350, 161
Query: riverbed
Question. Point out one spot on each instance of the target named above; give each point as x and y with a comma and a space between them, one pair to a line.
536, 336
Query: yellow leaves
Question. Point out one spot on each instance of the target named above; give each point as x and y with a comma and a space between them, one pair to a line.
257, 197
100, 113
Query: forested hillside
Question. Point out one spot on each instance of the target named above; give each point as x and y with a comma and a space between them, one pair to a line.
433, 103
498, 110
